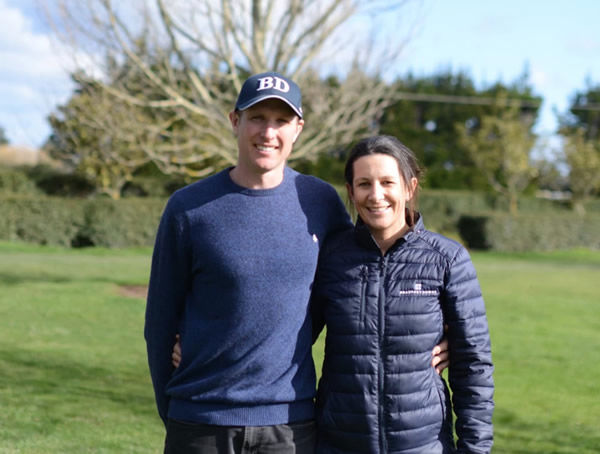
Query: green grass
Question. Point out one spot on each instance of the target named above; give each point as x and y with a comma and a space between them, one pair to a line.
73, 373
543, 311
72, 357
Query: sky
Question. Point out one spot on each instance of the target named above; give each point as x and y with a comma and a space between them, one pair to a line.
557, 41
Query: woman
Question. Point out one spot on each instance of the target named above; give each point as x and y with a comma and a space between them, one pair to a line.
385, 291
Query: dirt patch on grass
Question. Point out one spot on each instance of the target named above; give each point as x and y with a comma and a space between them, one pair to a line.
133, 291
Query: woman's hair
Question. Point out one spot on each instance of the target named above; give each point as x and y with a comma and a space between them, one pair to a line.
408, 166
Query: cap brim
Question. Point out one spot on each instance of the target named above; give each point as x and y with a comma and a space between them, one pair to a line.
258, 99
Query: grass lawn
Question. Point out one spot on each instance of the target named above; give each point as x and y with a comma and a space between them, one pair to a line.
73, 373
74, 377
544, 316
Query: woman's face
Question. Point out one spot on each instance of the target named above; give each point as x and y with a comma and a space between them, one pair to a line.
379, 194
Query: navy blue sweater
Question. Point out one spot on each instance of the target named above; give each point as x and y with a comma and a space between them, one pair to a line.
232, 272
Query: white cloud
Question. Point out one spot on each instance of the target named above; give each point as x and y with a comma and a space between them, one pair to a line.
33, 78
13, 21
24, 51
30, 64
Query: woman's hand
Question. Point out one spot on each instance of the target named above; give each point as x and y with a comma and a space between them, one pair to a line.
176, 355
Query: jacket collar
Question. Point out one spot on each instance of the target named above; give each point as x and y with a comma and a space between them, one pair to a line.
366, 240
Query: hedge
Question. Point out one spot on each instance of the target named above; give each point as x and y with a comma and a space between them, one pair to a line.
80, 222
16, 181
132, 222
442, 209
530, 232
124, 223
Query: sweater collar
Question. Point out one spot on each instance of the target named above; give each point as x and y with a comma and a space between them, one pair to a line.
288, 176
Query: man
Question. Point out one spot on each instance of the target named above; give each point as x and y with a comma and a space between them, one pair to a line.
232, 270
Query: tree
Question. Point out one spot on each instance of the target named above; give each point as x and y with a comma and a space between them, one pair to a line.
584, 113
500, 147
583, 158
550, 175
580, 128
428, 127
196, 54
96, 138
107, 140
425, 113
3, 138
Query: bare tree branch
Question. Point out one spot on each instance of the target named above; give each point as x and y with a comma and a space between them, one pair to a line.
176, 67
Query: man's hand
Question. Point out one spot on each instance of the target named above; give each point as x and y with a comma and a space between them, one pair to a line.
440, 357
176, 355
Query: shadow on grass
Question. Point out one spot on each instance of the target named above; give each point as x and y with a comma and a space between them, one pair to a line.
14, 279
19, 278
42, 390
516, 435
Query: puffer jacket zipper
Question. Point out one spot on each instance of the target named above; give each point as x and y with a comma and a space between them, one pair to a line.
364, 274
381, 353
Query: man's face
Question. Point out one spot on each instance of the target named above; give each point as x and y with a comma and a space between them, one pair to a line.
266, 133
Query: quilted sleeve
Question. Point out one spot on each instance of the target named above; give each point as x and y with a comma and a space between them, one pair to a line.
470, 372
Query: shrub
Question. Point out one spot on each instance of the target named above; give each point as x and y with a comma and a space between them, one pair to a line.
466, 216
16, 181
78, 222
442, 209
530, 232
121, 223
40, 220
56, 182
592, 206
152, 186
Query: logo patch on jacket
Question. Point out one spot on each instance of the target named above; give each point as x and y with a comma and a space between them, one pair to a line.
417, 289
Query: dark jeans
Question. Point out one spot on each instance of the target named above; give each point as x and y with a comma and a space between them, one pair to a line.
190, 438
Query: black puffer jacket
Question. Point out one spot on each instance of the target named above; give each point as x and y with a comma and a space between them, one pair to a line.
384, 314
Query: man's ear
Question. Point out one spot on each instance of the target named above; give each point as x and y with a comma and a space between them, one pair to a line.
299, 128
234, 119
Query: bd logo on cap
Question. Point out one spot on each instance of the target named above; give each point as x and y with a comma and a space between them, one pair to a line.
269, 85
273, 82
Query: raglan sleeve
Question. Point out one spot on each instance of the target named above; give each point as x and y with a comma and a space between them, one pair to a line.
317, 305
471, 368
168, 286
339, 219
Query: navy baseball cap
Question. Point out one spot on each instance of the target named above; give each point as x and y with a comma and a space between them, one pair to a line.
270, 85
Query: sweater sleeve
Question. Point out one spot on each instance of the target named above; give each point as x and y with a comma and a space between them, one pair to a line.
340, 219
470, 372
316, 310
168, 286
